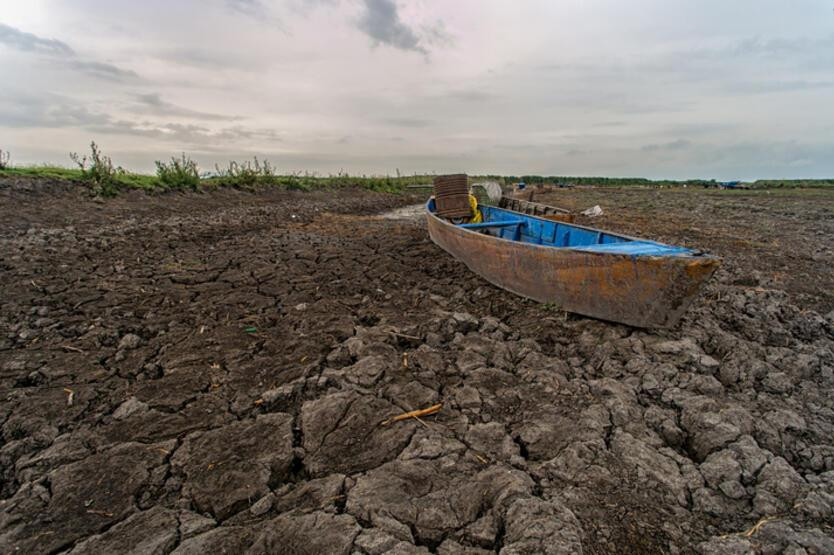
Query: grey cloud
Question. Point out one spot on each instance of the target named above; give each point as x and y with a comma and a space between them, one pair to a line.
699, 129
61, 53
152, 99
253, 8
240, 132
381, 21
762, 87
727, 62
436, 34
678, 144
27, 42
470, 95
102, 70
773, 158
776, 47
408, 122
185, 133
789, 53
178, 132
154, 104
736, 160
50, 111
207, 59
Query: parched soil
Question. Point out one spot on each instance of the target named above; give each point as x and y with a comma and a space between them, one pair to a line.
209, 373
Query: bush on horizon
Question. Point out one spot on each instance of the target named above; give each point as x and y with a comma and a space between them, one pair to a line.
98, 170
181, 173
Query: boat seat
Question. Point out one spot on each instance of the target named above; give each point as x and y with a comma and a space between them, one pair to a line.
505, 223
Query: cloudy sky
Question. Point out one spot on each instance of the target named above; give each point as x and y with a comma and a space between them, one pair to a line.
658, 88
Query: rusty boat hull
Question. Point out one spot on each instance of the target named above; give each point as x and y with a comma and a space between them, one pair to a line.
582, 270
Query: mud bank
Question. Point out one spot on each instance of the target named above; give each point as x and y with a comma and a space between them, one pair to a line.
200, 373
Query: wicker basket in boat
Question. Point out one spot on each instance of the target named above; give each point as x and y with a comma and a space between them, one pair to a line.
451, 196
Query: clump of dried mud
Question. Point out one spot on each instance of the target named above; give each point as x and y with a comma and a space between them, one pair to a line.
209, 373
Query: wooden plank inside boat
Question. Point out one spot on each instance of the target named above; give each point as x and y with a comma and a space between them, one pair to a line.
537, 209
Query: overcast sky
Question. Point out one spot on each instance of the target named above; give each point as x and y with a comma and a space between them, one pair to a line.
727, 89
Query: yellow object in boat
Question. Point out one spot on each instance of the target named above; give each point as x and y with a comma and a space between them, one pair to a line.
477, 217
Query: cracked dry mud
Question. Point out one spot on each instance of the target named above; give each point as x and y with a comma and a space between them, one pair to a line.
230, 356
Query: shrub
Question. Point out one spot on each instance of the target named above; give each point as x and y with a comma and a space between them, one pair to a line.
98, 170
4, 159
181, 173
294, 182
246, 174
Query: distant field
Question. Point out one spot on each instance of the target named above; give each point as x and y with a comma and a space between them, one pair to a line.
152, 183
244, 179
642, 182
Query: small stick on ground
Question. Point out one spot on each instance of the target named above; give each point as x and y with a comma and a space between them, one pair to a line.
749, 533
759, 524
100, 513
71, 348
421, 421
413, 414
404, 336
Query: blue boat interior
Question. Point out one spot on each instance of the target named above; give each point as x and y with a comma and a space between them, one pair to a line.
514, 226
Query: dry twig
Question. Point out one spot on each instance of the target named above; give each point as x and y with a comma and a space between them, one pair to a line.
416, 414
762, 522
100, 513
404, 336
755, 528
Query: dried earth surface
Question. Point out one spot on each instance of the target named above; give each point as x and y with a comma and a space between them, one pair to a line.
208, 373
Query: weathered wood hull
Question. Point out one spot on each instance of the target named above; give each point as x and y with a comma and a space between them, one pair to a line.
641, 291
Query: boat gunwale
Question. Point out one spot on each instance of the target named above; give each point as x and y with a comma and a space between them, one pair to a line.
697, 255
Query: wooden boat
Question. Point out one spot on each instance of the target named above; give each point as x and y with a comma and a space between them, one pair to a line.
580, 269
